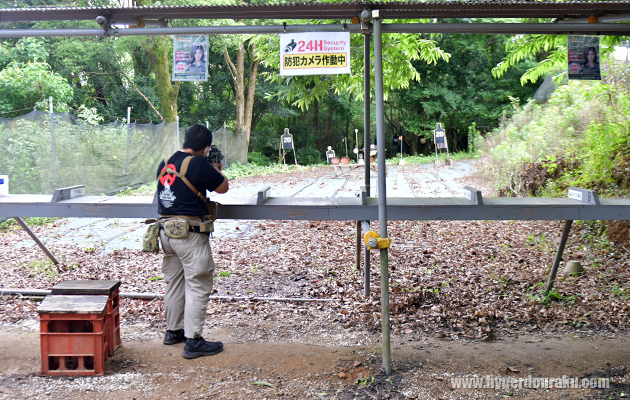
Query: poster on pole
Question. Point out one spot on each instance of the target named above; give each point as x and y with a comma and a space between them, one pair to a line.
190, 58
314, 53
583, 57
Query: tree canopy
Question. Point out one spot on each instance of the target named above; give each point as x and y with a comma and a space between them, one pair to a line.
462, 81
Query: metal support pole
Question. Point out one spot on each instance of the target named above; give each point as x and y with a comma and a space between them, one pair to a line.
556, 261
382, 193
128, 140
366, 268
366, 109
176, 134
366, 272
52, 142
358, 249
225, 145
356, 142
36, 239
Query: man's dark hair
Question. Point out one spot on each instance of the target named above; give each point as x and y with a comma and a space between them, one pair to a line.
197, 138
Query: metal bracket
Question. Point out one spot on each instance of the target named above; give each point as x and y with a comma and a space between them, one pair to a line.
263, 195
473, 195
583, 195
68, 193
363, 195
374, 241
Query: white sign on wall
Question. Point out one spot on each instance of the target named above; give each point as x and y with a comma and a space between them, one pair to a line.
314, 53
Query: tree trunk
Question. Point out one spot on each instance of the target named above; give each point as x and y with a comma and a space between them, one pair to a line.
157, 49
244, 100
413, 144
329, 125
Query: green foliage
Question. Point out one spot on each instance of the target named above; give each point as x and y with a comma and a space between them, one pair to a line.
258, 158
430, 159
551, 50
399, 49
238, 170
30, 221
24, 51
144, 190
309, 156
579, 138
43, 267
29, 86
457, 94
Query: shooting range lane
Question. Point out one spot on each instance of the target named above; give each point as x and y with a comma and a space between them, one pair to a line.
111, 234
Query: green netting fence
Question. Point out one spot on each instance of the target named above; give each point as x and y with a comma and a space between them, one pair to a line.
42, 151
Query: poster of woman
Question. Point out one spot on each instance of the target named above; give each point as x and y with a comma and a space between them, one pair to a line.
190, 60
583, 57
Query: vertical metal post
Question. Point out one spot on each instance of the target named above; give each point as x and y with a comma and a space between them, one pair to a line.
556, 261
366, 109
382, 193
358, 249
356, 142
366, 272
225, 145
366, 148
36, 239
176, 134
52, 142
128, 143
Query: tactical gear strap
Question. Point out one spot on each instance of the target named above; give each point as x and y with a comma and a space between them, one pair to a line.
184, 169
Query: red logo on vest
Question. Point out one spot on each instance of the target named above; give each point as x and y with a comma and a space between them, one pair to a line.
168, 179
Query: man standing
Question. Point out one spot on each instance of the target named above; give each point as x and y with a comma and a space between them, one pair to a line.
188, 267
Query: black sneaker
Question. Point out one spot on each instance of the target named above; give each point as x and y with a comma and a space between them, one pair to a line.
174, 337
198, 347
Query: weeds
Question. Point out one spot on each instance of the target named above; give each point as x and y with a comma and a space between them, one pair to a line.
30, 221
45, 268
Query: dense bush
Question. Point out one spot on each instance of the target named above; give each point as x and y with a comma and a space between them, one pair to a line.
258, 158
579, 138
308, 156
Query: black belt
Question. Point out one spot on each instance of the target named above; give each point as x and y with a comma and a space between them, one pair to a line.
196, 230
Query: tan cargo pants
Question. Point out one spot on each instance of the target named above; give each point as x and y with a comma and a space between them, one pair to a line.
188, 270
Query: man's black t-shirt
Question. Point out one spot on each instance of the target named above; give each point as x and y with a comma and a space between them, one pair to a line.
175, 197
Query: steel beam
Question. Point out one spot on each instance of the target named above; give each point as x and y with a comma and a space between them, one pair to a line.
334, 209
485, 28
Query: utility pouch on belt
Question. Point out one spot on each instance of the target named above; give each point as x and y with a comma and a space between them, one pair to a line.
212, 211
176, 228
206, 226
150, 241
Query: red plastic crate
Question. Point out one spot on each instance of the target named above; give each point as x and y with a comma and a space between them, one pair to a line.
109, 288
73, 333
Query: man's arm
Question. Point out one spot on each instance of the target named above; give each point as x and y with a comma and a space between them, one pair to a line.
224, 186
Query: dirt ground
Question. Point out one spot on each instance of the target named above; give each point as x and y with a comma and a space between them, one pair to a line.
463, 302
326, 365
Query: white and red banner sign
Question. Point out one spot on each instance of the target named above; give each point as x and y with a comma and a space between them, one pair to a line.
314, 53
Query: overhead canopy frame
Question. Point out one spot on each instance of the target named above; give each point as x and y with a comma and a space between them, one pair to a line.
339, 11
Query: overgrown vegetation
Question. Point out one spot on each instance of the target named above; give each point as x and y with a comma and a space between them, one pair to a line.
11, 223
579, 138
